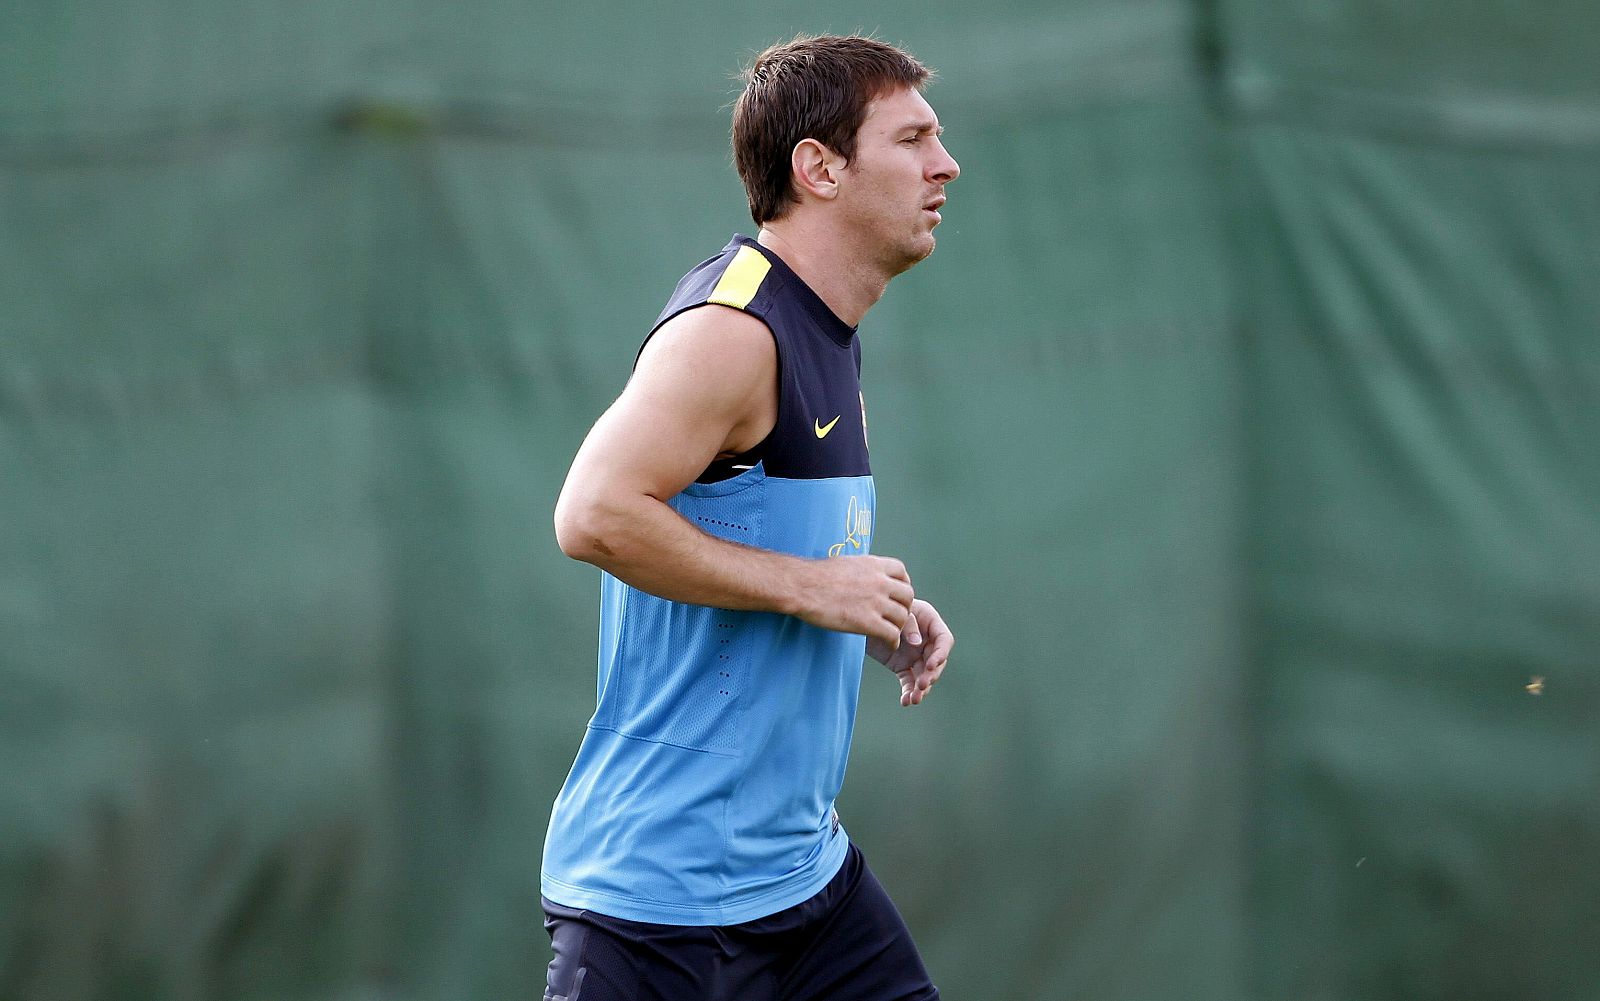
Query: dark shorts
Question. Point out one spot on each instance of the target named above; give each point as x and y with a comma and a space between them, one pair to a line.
847, 943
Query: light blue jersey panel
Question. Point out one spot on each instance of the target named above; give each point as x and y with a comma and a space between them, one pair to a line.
703, 791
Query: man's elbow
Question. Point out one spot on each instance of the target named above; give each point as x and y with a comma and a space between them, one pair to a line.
581, 530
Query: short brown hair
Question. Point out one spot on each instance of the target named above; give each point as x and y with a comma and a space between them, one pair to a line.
811, 88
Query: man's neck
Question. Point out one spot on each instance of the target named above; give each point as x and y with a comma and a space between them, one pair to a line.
849, 286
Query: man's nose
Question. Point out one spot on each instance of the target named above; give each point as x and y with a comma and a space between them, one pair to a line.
946, 169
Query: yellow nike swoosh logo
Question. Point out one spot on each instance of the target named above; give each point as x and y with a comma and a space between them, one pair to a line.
822, 430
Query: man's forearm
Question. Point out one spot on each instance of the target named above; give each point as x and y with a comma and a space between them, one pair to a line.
647, 545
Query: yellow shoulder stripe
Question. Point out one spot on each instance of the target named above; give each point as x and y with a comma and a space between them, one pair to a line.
739, 284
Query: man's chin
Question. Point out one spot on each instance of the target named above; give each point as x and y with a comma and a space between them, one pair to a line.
921, 250
915, 252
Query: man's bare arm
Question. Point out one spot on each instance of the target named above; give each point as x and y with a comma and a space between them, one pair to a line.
706, 385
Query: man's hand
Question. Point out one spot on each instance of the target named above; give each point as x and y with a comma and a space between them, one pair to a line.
919, 654
869, 595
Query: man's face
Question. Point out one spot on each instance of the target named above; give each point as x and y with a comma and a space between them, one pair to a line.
896, 179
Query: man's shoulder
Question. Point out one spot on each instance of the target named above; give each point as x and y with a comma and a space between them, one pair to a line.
737, 277
714, 317
721, 335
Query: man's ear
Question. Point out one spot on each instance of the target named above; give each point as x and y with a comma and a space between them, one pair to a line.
816, 169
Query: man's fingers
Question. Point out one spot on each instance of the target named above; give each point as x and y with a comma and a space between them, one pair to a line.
914, 685
885, 631
921, 661
914, 624
894, 568
897, 614
902, 593
913, 632
940, 642
910, 695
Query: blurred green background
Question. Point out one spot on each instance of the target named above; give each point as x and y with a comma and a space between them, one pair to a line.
1244, 426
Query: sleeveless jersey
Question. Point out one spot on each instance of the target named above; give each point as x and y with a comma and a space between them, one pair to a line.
703, 791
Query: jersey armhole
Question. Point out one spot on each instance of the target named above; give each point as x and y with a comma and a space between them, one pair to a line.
731, 466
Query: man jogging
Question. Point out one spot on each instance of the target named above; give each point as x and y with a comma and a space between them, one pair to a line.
694, 852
